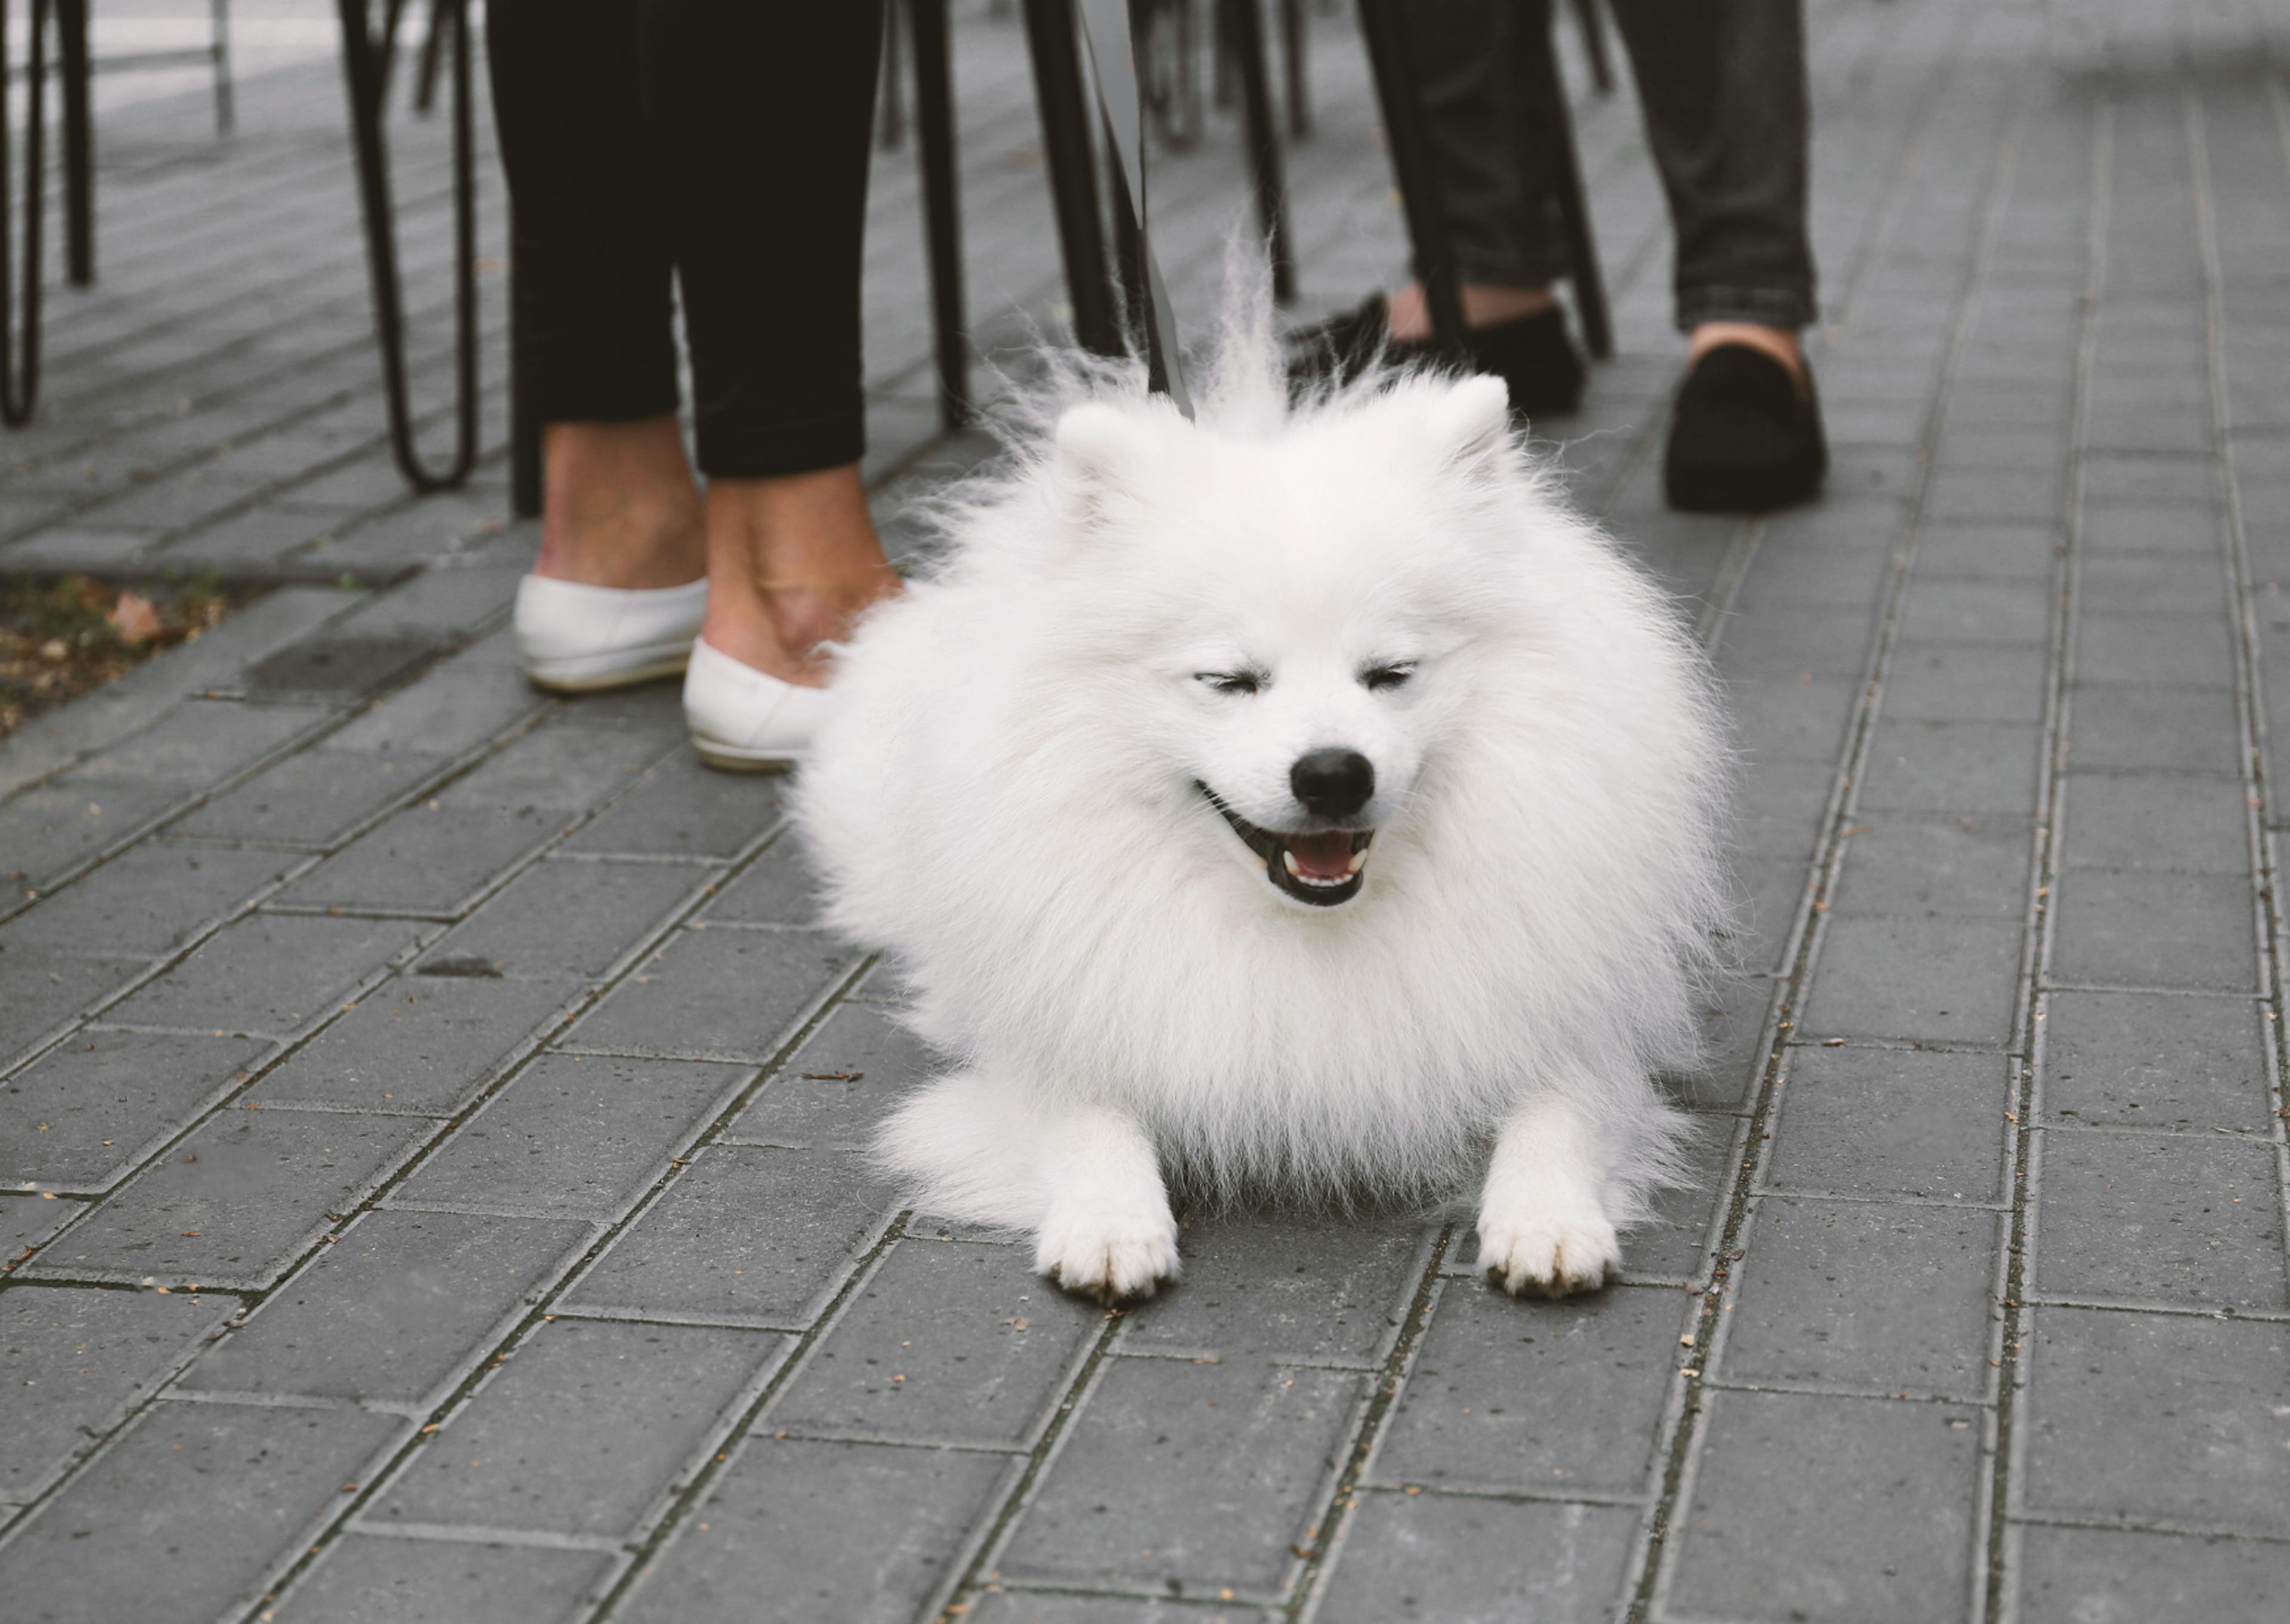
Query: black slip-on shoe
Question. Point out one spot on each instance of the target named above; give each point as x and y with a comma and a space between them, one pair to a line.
1532, 355
1744, 438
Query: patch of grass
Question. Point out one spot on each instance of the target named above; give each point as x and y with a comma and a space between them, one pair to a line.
59, 639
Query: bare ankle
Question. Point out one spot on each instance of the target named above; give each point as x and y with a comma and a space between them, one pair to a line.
1485, 304
1781, 343
620, 506
791, 561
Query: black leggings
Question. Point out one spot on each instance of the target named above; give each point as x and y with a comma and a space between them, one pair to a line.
724, 141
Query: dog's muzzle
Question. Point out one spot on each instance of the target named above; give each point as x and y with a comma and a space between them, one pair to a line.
1322, 869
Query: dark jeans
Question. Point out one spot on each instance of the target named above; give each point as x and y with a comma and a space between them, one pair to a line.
1723, 88
724, 142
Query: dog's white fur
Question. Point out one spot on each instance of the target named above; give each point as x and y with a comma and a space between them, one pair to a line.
1006, 798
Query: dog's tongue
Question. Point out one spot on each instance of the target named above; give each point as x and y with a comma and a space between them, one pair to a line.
1323, 857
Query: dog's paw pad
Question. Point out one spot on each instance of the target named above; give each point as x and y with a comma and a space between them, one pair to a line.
1550, 1253
1108, 1260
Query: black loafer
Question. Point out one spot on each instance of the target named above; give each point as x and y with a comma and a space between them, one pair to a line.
1534, 356
1744, 438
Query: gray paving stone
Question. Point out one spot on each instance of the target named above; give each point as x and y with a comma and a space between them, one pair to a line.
648, 1398
2150, 583
557, 766
2100, 1576
1732, 1059
1950, 681
2148, 1059
1860, 1295
1779, 640
268, 973
2170, 730
200, 742
233, 1203
2149, 1217
567, 916
1512, 1394
41, 989
1001, 1606
1964, 865
1816, 1507
427, 859
2183, 527
314, 799
574, 1135
716, 992
2176, 651
744, 1235
1962, 768
1782, 805
362, 1579
49, 830
840, 1085
946, 1342
2115, 476
778, 889
145, 901
1892, 1121
1919, 979
73, 1360
772, 1541
2174, 1418
1285, 1287
2117, 820
418, 1042
1672, 1245
1981, 551
1208, 1475
399, 1307
1789, 718
1996, 494
454, 707
1981, 610
196, 1504
684, 809
1813, 571
2113, 928
1770, 891
84, 1113
1459, 1560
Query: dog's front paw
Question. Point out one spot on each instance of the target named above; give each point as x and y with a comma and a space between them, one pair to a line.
1112, 1257
1552, 1249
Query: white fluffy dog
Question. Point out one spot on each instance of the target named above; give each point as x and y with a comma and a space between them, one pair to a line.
1301, 800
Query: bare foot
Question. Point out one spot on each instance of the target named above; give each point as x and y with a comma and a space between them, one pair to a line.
1779, 342
618, 506
1408, 312
791, 561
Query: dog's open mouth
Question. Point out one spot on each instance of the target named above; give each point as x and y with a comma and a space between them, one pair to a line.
1322, 869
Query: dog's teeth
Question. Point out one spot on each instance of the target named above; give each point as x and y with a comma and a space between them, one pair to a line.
1359, 860
1289, 858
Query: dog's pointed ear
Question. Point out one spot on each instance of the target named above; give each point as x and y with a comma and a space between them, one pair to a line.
1469, 424
1099, 449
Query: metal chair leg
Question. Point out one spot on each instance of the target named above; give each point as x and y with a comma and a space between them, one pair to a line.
1541, 56
364, 71
1383, 25
1244, 23
226, 101
891, 106
79, 143
941, 205
19, 349
1293, 30
425, 71
1054, 46
1594, 46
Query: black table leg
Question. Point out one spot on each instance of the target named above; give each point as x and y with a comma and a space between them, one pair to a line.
941, 205
1244, 22
79, 143
1056, 49
20, 310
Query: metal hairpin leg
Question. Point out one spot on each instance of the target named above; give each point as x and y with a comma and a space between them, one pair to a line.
1244, 25
433, 42
1594, 46
19, 339
365, 71
1054, 46
941, 205
1293, 48
74, 65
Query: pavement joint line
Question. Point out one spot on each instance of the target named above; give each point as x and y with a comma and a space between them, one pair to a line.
2199, 1531
948, 1446
2178, 1308
257, 1401
1764, 1191
1654, 1564
618, 1314
1513, 1494
2241, 995
2139, 1130
476, 1533
1857, 1395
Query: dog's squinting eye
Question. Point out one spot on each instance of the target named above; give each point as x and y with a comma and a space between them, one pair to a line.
1231, 682
1377, 677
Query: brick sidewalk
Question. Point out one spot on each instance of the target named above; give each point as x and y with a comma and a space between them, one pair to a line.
430, 1125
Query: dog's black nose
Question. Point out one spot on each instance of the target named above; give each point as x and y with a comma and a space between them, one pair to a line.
1332, 783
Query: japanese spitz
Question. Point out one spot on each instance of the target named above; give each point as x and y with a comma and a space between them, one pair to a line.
1301, 802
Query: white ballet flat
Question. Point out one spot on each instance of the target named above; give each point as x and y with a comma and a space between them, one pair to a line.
744, 720
576, 638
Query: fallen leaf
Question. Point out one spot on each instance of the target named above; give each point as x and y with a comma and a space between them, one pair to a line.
133, 619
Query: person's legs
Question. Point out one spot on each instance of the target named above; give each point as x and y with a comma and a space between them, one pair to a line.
757, 115
1723, 83
620, 507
